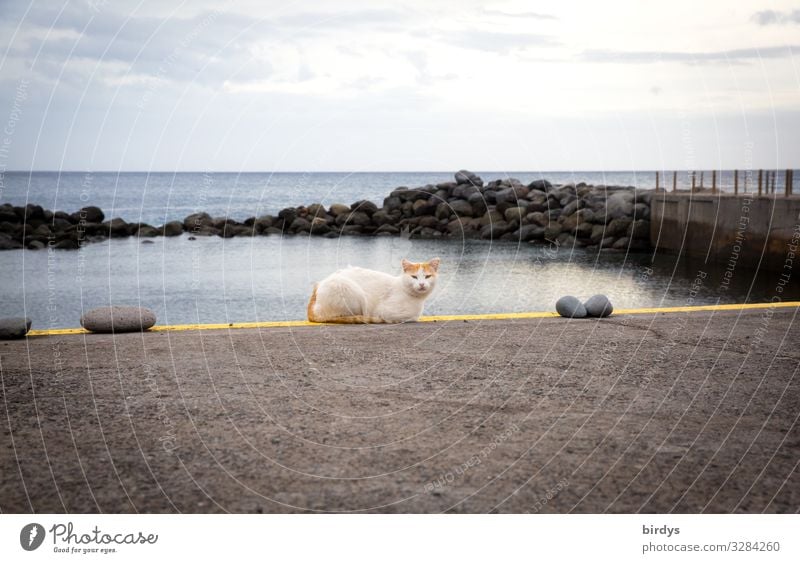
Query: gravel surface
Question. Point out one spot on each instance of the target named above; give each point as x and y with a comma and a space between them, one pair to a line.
682, 412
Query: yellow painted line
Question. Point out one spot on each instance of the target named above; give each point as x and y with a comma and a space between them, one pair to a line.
439, 318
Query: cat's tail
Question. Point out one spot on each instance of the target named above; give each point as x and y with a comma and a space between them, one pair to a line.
311, 302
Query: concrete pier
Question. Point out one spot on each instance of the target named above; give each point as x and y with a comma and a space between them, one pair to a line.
654, 412
745, 229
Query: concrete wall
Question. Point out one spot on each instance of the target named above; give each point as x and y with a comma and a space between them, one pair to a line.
753, 231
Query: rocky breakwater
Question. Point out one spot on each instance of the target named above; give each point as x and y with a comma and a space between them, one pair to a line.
609, 218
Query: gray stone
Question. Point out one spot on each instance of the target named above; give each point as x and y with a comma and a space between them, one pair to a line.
337, 209
543, 185
598, 306
467, 177
171, 229
570, 307
461, 208
619, 205
7, 243
531, 232
640, 229
515, 214
14, 327
89, 214
118, 319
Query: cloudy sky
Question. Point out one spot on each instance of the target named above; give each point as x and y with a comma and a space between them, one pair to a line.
406, 85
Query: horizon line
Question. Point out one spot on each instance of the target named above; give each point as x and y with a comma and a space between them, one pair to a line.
640, 170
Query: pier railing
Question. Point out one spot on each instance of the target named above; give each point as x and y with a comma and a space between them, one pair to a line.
760, 182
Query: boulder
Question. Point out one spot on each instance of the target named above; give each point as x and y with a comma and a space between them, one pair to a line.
66, 244
494, 230
191, 222
8, 243
462, 208
300, 225
7, 214
315, 210
620, 205
117, 227
621, 243
639, 229
89, 214
354, 218
147, 231
537, 218
598, 306
337, 209
364, 206
570, 307
514, 214
171, 229
14, 327
542, 185
319, 226
531, 232
387, 229
618, 227
552, 231
467, 177
118, 319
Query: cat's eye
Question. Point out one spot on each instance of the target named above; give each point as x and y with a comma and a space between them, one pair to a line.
426, 277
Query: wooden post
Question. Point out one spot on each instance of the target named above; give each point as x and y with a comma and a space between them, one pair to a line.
788, 190
714, 181
735, 182
760, 176
656, 180
693, 179
774, 177
702, 173
674, 180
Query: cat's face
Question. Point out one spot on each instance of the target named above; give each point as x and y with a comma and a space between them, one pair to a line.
419, 278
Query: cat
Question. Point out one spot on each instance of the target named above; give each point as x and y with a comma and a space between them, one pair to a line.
357, 295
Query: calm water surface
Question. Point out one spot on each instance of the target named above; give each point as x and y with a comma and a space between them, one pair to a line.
213, 280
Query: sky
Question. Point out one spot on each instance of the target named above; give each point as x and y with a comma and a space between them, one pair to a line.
399, 86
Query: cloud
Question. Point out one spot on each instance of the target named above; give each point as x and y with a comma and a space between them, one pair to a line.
732, 56
527, 15
496, 41
771, 17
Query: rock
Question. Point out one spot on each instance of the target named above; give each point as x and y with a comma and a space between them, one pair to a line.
263, 223
147, 242
570, 307
423, 207
573, 206
7, 215
537, 218
584, 230
494, 230
552, 231
598, 306
354, 219
640, 229
381, 217
619, 205
337, 209
171, 229
511, 195
514, 214
388, 230
66, 244
618, 227
319, 226
89, 214
542, 185
288, 215
315, 210
7, 243
462, 208
597, 234
621, 243
14, 327
641, 211
193, 221
118, 319
364, 206
147, 231
467, 177
300, 225
36, 245
33, 212
531, 232
118, 227
443, 210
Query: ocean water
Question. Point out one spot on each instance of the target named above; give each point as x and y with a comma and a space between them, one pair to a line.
158, 197
214, 280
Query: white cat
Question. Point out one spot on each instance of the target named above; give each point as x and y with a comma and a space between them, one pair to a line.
358, 295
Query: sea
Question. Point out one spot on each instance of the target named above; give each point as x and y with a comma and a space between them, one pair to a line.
215, 280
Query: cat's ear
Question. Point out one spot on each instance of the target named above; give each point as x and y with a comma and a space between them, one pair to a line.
435, 263
406, 265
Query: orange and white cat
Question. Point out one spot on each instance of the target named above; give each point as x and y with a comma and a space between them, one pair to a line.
357, 295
